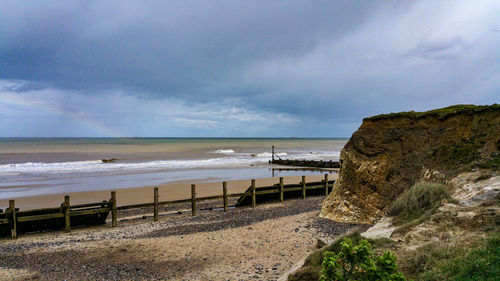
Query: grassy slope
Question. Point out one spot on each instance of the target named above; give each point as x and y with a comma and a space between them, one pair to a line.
478, 260
440, 113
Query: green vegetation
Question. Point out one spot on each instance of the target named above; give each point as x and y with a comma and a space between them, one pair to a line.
478, 261
440, 113
417, 204
313, 263
358, 263
491, 163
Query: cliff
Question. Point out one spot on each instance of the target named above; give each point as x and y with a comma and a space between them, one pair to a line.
389, 153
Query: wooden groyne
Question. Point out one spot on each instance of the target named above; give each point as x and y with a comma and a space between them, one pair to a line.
13, 221
286, 191
275, 159
306, 163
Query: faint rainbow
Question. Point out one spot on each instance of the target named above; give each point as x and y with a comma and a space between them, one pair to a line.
82, 120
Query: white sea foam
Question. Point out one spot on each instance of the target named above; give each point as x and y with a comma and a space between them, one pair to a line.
99, 166
231, 160
224, 151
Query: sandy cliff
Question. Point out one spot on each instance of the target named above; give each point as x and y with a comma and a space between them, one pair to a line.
389, 153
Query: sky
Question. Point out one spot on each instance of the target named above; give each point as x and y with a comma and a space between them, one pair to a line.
238, 68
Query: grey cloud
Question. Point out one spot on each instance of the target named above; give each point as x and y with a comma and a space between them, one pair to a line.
166, 47
447, 48
321, 66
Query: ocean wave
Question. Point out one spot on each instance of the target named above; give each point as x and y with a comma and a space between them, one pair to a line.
224, 151
99, 166
231, 160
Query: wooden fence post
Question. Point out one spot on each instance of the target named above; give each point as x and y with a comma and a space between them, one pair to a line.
113, 209
303, 187
155, 208
254, 199
66, 214
193, 200
13, 218
326, 184
281, 189
224, 195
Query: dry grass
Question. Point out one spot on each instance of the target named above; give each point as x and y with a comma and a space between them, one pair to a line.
417, 203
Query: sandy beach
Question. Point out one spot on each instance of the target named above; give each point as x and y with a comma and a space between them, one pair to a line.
262, 243
168, 191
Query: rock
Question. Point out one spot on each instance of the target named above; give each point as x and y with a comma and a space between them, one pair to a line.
320, 243
389, 153
383, 229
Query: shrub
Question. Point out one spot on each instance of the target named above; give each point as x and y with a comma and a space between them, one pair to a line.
423, 197
358, 263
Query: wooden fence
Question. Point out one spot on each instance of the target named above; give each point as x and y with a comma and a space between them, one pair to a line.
13, 221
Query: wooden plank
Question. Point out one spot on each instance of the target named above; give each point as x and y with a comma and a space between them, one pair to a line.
155, 199
89, 212
13, 227
293, 189
224, 195
281, 189
254, 198
41, 217
43, 210
322, 186
114, 217
267, 191
88, 205
4, 221
67, 217
193, 199
239, 194
174, 202
326, 184
135, 206
303, 187
210, 198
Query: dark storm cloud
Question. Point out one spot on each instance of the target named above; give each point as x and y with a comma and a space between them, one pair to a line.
316, 68
176, 48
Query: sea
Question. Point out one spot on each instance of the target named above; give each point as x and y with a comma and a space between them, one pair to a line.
38, 166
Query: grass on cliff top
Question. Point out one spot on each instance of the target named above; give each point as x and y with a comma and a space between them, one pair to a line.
440, 113
417, 203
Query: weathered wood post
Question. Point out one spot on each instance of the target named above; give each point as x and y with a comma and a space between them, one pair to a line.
193, 200
155, 200
13, 219
254, 198
224, 195
272, 157
281, 189
113, 209
326, 184
66, 213
303, 187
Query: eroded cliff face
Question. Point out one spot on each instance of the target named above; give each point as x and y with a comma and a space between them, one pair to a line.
389, 153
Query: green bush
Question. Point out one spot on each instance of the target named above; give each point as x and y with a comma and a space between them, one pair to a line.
422, 198
358, 263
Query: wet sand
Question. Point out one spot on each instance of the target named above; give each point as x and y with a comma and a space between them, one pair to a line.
168, 191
